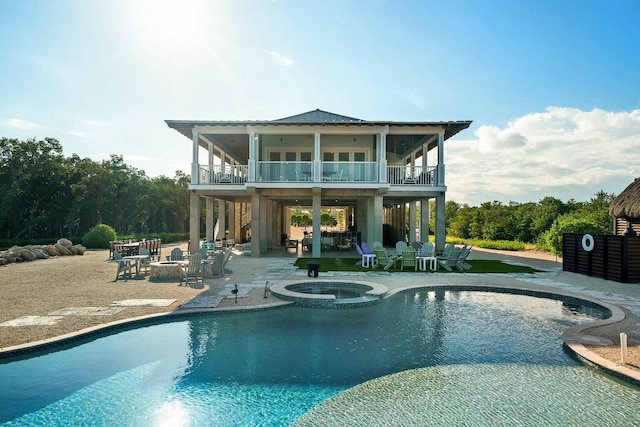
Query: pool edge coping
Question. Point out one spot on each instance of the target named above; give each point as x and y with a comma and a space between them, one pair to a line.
571, 336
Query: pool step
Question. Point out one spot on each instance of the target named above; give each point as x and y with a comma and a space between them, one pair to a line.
356, 300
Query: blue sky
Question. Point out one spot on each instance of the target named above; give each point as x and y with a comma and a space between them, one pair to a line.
552, 87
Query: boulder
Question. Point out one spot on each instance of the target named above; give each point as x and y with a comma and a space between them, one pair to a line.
41, 253
27, 255
51, 250
80, 249
64, 242
62, 250
3, 261
9, 257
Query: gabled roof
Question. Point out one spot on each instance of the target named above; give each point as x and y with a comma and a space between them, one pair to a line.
318, 116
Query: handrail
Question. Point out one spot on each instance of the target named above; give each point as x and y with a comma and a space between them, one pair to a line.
412, 175
330, 172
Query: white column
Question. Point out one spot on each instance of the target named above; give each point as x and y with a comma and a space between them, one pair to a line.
209, 205
253, 164
256, 249
317, 204
377, 217
232, 221
440, 181
195, 169
382, 157
425, 215
317, 172
440, 230
222, 212
412, 222
194, 222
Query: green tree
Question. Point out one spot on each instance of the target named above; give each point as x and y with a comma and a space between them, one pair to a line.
567, 224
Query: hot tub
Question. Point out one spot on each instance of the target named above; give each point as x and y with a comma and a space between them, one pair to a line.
325, 294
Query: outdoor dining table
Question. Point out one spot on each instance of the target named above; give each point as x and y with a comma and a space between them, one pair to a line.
136, 260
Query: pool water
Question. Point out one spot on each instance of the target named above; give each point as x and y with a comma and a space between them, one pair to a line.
270, 367
339, 292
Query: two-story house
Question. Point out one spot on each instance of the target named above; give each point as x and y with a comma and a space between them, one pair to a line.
258, 170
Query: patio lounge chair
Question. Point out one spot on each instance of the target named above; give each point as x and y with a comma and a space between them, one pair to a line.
400, 245
225, 258
145, 262
192, 270
176, 255
409, 258
427, 250
367, 257
448, 262
124, 265
384, 258
461, 264
215, 267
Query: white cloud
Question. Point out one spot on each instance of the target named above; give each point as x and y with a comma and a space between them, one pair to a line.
562, 152
280, 58
21, 124
415, 100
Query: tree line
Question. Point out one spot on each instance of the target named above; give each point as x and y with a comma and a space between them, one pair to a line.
541, 223
46, 195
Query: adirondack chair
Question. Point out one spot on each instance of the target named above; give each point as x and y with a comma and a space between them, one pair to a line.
215, 267
192, 270
409, 258
427, 250
400, 245
225, 258
384, 258
176, 255
450, 261
461, 264
367, 256
145, 262
124, 265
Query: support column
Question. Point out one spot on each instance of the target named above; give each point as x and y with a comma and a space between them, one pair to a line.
194, 221
195, 168
317, 205
425, 216
210, 220
412, 222
256, 226
253, 156
377, 218
222, 213
440, 230
233, 232
317, 163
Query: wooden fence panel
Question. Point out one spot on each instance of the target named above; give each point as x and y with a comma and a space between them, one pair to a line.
612, 257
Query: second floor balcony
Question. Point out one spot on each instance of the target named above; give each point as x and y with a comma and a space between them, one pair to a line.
337, 173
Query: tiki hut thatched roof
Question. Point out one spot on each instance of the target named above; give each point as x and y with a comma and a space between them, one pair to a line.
627, 204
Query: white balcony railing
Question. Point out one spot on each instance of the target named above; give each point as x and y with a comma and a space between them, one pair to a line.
227, 174
345, 172
412, 175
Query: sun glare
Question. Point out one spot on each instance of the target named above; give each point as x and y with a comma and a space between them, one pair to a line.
170, 26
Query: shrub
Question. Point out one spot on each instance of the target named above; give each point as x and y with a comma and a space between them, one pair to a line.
98, 237
567, 224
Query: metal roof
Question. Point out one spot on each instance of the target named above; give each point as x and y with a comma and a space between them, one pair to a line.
315, 118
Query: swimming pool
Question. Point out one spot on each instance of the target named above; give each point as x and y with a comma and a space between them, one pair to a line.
271, 367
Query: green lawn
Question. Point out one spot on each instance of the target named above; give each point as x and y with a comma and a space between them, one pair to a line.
477, 266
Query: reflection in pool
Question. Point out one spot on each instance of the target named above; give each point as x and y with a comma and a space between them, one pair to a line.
271, 367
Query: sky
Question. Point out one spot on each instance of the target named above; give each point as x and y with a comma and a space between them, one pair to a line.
552, 87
